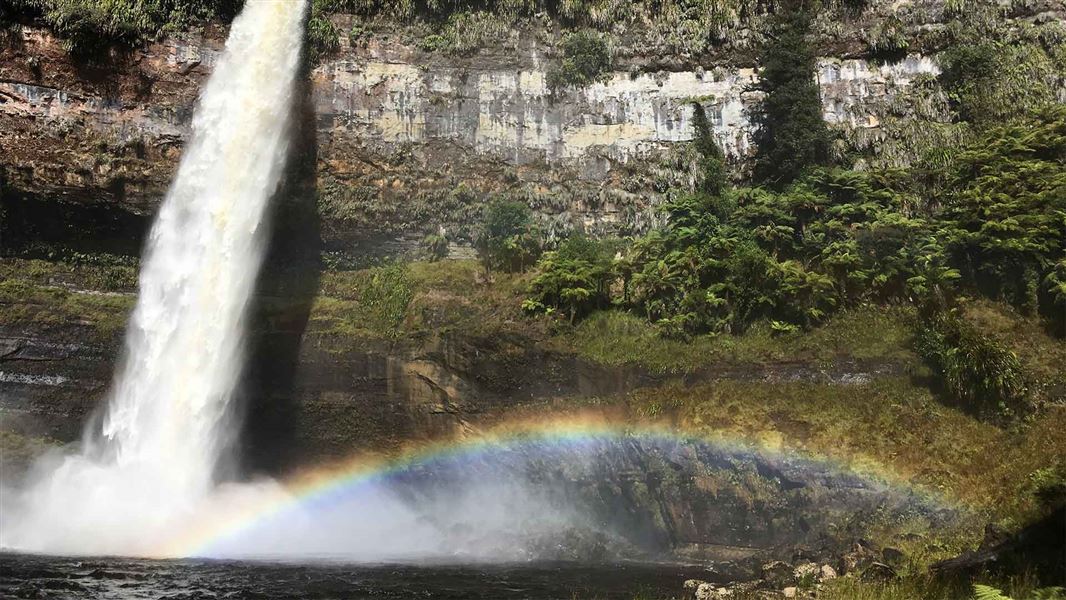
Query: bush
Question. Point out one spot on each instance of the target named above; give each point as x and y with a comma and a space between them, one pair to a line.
435, 246
1049, 485
586, 58
577, 278
384, 297
977, 371
323, 38
508, 239
90, 26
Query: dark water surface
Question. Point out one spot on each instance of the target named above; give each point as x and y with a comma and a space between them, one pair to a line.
33, 576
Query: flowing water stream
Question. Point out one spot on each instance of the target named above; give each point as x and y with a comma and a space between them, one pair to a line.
150, 462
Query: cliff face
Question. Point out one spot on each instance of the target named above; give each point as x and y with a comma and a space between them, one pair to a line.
400, 141
407, 140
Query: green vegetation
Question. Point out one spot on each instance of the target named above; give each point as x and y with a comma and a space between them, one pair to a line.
465, 32
929, 588
1041, 354
323, 37
586, 57
508, 239
1005, 216
886, 425
89, 26
713, 176
863, 333
364, 304
829, 311
837, 238
888, 39
683, 26
996, 72
435, 246
26, 303
408, 302
790, 134
62, 267
977, 371
577, 278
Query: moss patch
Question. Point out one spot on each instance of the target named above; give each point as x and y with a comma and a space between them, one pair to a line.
92, 272
867, 332
412, 301
1042, 356
23, 302
890, 425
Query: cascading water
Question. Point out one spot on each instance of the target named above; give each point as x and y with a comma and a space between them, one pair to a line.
150, 467
142, 480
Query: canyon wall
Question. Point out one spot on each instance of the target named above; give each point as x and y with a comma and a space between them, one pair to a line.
408, 141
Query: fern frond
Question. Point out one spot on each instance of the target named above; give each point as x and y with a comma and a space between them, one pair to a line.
985, 592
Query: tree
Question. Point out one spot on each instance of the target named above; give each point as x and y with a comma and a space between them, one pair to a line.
508, 239
1005, 219
586, 58
435, 246
576, 278
712, 161
790, 134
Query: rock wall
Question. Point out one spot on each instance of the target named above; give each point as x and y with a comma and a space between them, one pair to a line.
408, 141
511, 115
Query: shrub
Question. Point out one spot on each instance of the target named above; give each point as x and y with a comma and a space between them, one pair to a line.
435, 246
577, 278
586, 58
1048, 484
977, 371
323, 38
508, 239
384, 297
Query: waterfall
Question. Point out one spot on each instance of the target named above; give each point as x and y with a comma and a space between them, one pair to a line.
149, 466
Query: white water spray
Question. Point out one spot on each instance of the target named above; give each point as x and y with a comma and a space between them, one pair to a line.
143, 481
164, 430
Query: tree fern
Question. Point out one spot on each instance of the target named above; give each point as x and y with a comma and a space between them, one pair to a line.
985, 592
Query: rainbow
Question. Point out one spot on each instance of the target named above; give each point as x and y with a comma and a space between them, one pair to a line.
325, 485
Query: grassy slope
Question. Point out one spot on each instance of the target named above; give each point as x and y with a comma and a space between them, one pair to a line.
616, 338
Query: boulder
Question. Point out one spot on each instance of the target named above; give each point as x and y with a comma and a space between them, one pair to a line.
778, 574
878, 571
806, 572
691, 588
827, 573
706, 591
862, 553
892, 556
